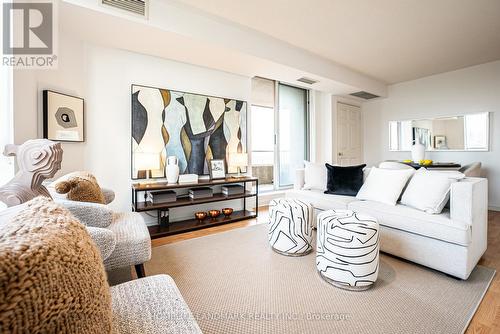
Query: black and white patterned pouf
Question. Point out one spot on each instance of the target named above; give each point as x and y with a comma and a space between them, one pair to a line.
290, 228
347, 249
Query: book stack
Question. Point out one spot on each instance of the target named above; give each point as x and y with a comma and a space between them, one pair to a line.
233, 189
161, 196
188, 178
202, 192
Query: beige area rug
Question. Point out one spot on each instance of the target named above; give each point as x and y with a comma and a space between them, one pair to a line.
234, 283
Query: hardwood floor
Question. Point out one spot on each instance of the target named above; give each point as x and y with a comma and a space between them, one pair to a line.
485, 321
487, 318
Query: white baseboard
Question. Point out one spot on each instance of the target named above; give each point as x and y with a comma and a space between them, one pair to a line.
494, 208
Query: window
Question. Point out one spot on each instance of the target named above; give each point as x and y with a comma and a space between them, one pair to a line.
279, 135
477, 131
292, 132
6, 125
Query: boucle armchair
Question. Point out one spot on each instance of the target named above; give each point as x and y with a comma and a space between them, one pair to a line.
123, 238
53, 281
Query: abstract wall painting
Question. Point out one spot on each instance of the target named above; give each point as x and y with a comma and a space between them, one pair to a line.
62, 117
194, 128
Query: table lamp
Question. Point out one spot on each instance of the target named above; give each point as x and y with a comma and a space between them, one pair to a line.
145, 162
238, 160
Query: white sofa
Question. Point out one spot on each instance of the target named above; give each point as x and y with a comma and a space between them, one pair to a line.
451, 242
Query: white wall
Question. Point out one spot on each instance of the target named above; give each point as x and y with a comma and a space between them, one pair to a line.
320, 133
103, 77
470, 90
324, 123
69, 78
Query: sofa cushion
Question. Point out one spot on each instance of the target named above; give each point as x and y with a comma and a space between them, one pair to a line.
428, 191
344, 180
393, 165
51, 275
384, 185
314, 176
411, 220
79, 186
321, 201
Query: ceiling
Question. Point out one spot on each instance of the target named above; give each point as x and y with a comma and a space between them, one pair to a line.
389, 40
195, 37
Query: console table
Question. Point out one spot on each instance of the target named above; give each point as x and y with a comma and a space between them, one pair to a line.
165, 227
435, 165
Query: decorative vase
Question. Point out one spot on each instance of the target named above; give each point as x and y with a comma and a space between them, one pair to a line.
172, 169
417, 152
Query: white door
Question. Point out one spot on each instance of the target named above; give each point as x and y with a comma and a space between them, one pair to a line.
349, 147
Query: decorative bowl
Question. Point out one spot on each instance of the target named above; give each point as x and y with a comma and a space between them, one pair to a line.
214, 213
227, 211
201, 215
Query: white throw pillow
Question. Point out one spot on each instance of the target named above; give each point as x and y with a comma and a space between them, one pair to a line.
314, 176
384, 185
393, 165
428, 191
366, 172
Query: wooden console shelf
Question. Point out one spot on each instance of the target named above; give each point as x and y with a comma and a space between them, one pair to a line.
165, 227
159, 231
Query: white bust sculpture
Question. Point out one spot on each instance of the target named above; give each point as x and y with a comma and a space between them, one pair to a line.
37, 159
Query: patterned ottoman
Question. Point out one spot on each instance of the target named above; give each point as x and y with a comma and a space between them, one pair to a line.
347, 249
290, 228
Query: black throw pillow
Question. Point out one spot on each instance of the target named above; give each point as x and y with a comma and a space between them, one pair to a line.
344, 180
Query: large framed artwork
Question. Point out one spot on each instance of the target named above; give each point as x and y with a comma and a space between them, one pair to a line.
195, 128
62, 117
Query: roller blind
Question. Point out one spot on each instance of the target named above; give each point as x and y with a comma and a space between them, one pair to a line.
262, 92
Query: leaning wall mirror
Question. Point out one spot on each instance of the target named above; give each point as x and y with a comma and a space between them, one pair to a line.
455, 133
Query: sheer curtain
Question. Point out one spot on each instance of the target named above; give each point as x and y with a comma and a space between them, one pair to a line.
293, 132
6, 123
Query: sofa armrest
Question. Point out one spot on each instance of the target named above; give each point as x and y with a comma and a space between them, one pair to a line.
89, 214
469, 201
300, 179
104, 239
154, 303
469, 204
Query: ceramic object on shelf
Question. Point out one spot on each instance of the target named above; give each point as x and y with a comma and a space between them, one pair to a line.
227, 211
214, 213
200, 215
172, 169
417, 152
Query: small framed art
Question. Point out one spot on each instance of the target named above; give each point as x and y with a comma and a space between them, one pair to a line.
63, 118
217, 169
440, 142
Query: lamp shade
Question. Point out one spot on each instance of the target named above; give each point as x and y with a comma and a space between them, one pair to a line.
238, 160
147, 161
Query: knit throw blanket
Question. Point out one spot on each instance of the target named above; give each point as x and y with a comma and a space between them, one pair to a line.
52, 279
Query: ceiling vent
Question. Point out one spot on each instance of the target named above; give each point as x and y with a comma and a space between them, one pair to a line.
307, 80
138, 7
365, 95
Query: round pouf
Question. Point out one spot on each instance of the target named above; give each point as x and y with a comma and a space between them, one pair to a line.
347, 249
290, 228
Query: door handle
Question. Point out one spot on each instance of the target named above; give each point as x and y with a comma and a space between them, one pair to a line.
340, 154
